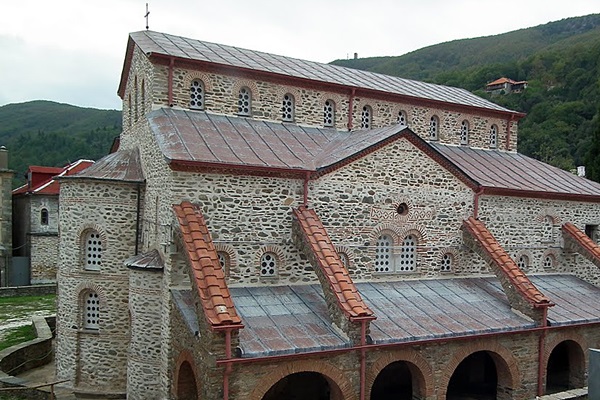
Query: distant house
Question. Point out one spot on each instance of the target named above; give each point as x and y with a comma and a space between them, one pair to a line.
35, 213
505, 85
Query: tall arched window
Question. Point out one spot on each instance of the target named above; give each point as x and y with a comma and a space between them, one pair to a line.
197, 95
366, 117
493, 136
329, 113
143, 97
44, 216
402, 119
245, 101
288, 108
91, 310
268, 265
464, 132
136, 99
383, 254
408, 255
434, 126
93, 250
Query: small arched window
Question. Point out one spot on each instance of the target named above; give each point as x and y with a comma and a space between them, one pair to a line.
329, 113
136, 99
287, 108
245, 101
44, 216
402, 119
383, 254
549, 262
408, 254
345, 259
197, 95
523, 263
493, 137
447, 261
268, 265
92, 251
464, 133
91, 310
224, 262
366, 117
434, 126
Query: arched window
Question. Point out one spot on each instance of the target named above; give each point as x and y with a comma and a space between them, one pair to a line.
383, 254
129, 110
268, 265
143, 97
91, 310
224, 261
493, 137
366, 117
245, 101
549, 262
402, 120
548, 229
408, 254
197, 95
287, 108
523, 262
329, 113
434, 126
447, 261
464, 132
136, 99
345, 259
44, 216
93, 250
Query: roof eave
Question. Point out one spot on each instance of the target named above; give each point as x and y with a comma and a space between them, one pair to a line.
487, 190
202, 166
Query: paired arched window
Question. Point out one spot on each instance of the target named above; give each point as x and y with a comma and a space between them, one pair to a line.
245, 102
44, 216
387, 260
493, 137
288, 108
383, 254
329, 113
197, 95
464, 132
408, 254
268, 265
92, 250
434, 127
91, 310
366, 117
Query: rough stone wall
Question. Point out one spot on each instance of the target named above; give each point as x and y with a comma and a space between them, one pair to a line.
44, 258
145, 305
95, 359
531, 228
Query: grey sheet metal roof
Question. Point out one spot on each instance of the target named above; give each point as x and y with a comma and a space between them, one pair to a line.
151, 42
509, 170
122, 165
146, 261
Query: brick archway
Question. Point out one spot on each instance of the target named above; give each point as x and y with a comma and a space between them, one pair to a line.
421, 371
576, 355
186, 376
506, 366
335, 377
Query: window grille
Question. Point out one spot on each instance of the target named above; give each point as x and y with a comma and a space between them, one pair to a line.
245, 101
329, 113
366, 117
383, 254
93, 251
91, 311
464, 133
287, 108
268, 265
197, 95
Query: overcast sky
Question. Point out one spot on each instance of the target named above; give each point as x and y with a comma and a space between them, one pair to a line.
71, 51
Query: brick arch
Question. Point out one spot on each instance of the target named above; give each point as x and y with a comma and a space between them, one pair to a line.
506, 365
577, 357
274, 249
385, 228
80, 290
283, 90
336, 98
419, 368
81, 234
528, 255
239, 84
558, 339
396, 110
192, 75
333, 375
455, 257
415, 230
554, 255
89, 226
543, 214
440, 117
230, 251
185, 356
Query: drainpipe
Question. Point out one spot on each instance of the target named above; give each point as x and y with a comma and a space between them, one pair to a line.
306, 179
541, 351
363, 358
228, 367
476, 202
170, 84
137, 220
350, 109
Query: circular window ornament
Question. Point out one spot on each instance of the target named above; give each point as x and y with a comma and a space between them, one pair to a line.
402, 209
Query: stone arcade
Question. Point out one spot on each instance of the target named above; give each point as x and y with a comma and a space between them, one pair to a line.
273, 228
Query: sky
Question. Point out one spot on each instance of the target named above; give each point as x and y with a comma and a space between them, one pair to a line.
72, 51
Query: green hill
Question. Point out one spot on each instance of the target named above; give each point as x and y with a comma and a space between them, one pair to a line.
53, 134
560, 60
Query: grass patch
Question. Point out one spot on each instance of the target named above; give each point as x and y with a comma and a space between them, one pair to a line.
24, 307
17, 335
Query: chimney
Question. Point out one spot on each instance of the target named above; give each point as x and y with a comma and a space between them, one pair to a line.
581, 170
3, 158
356, 56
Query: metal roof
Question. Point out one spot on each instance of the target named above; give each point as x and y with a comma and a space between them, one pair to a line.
151, 42
122, 165
496, 169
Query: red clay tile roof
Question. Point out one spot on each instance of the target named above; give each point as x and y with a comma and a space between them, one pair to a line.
209, 278
328, 260
180, 48
122, 165
505, 264
582, 240
500, 81
510, 173
43, 178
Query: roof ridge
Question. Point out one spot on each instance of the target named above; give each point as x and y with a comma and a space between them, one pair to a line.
591, 249
209, 278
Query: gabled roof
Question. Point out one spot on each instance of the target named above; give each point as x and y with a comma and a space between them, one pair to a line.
209, 278
122, 166
511, 173
165, 45
48, 185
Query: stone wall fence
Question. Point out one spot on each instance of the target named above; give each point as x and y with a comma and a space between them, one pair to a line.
36, 290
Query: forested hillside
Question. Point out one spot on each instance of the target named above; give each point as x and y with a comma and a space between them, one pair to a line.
560, 60
53, 134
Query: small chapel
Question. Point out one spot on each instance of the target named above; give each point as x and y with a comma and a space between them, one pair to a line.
272, 228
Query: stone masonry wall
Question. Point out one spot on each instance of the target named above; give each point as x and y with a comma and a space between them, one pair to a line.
44, 258
95, 359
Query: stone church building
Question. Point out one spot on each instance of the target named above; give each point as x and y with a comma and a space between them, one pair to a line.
274, 228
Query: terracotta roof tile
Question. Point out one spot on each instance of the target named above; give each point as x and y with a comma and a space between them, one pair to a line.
204, 263
504, 263
584, 241
43, 178
331, 264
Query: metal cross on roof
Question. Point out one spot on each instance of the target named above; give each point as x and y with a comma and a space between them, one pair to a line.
146, 16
